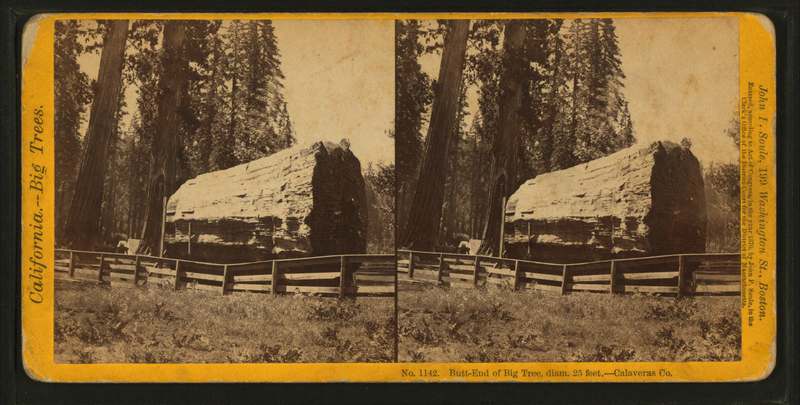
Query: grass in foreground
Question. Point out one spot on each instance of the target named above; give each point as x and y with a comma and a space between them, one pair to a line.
99, 324
497, 325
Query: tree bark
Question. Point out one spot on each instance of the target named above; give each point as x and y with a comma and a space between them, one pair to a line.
165, 142
505, 151
83, 222
448, 209
109, 214
426, 210
475, 188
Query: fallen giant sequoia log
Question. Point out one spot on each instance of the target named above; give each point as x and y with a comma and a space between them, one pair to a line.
633, 203
297, 202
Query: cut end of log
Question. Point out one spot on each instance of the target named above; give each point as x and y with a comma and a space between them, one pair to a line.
636, 202
298, 202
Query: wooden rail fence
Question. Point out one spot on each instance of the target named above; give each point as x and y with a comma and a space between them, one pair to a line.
686, 274
343, 275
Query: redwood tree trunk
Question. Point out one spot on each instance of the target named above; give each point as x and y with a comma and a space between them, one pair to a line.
448, 209
83, 222
426, 210
165, 141
475, 185
505, 150
108, 219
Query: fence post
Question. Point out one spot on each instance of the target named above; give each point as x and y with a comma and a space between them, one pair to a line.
564, 281
136, 264
529, 238
190, 239
613, 285
100, 270
163, 227
410, 264
72, 264
681, 274
516, 275
502, 229
342, 276
224, 279
178, 276
441, 265
273, 288
477, 269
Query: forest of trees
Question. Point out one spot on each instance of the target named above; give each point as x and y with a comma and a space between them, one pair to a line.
723, 199
209, 97
550, 96
380, 192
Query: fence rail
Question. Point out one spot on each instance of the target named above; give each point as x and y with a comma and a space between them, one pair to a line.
342, 275
686, 274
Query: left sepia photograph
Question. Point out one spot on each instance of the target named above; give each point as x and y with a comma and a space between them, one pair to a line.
224, 191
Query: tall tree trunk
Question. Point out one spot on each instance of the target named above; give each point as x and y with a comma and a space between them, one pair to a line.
448, 209
426, 210
232, 128
454, 180
83, 221
109, 219
505, 151
165, 141
132, 169
473, 192
405, 197
229, 157
574, 121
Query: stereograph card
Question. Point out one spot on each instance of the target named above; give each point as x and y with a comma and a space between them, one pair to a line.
398, 197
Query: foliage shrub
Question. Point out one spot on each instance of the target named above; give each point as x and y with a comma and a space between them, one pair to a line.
438, 324
99, 324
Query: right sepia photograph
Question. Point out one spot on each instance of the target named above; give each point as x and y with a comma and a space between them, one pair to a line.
568, 190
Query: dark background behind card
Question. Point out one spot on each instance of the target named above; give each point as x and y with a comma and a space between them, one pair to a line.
780, 387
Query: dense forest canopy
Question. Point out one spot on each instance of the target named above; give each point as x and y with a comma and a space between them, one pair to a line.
572, 110
192, 97
520, 99
572, 107
231, 108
